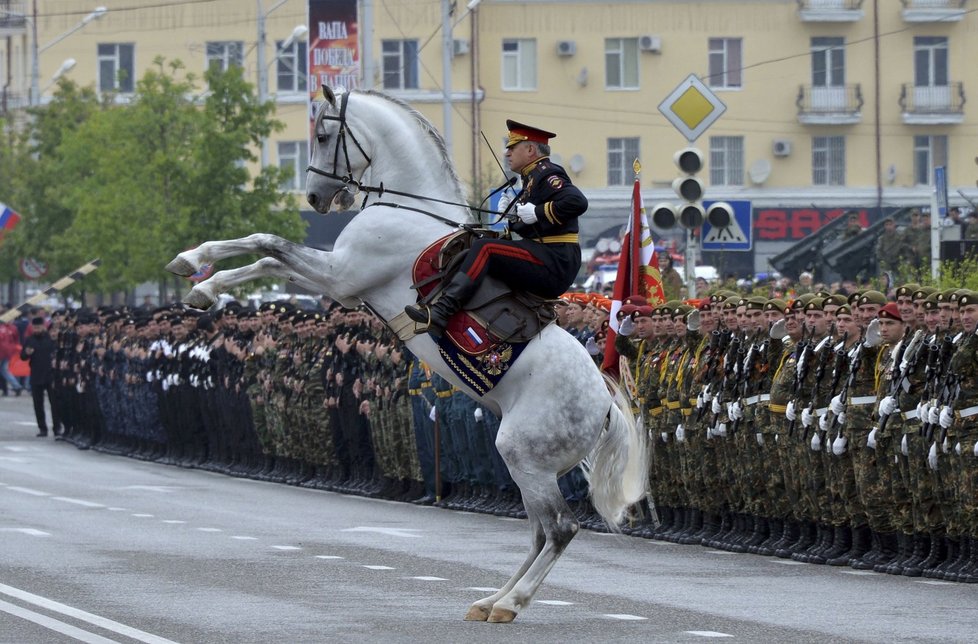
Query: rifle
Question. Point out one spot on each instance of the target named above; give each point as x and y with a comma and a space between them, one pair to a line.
820, 369
840, 362
953, 390
801, 367
937, 384
730, 369
717, 347
854, 363
749, 364
903, 365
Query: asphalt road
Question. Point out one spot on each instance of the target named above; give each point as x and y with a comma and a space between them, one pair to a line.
102, 548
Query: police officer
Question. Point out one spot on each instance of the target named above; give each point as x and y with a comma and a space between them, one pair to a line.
547, 258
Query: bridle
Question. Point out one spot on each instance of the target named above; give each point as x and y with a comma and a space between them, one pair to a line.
349, 180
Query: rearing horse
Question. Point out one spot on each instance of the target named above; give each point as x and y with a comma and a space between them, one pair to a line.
556, 408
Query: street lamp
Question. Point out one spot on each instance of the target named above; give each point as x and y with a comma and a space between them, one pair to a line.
66, 67
37, 51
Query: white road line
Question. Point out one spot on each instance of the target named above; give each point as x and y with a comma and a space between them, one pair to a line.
14, 459
328, 557
53, 624
174, 521
117, 509
933, 583
859, 573
76, 613
287, 547
16, 448
23, 423
391, 532
482, 589
143, 516
378, 568
720, 552
625, 617
27, 490
553, 602
29, 531
151, 488
240, 538
708, 634
210, 530
428, 578
788, 562
87, 504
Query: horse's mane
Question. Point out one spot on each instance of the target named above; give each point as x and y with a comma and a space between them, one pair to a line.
429, 131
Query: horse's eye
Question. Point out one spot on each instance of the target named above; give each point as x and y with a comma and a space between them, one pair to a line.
321, 138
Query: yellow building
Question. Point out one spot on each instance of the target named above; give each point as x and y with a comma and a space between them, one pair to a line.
831, 104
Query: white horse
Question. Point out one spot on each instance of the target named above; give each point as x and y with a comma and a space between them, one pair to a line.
556, 408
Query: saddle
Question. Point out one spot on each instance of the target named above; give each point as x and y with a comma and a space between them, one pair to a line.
495, 314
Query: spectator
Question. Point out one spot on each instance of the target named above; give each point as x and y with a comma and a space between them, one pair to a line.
39, 349
9, 341
672, 281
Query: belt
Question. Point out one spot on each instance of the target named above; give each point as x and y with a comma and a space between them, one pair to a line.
909, 415
862, 400
672, 404
443, 394
967, 412
752, 400
777, 409
688, 411
656, 411
569, 238
414, 392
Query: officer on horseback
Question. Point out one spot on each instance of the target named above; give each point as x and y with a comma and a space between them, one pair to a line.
546, 260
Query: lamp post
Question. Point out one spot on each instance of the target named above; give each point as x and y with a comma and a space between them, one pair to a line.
36, 51
66, 67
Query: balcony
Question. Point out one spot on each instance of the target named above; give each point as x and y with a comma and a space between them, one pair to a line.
10, 101
933, 10
830, 10
932, 104
822, 105
13, 17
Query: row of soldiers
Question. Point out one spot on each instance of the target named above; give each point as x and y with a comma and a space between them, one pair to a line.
831, 429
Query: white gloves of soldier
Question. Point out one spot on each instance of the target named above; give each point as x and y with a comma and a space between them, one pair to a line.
922, 408
904, 448
841, 418
824, 423
957, 449
665, 437
722, 429
975, 450
789, 411
887, 406
680, 432
699, 400
527, 212
944, 445
871, 439
759, 437
433, 414
592, 346
508, 195
816, 442
839, 445
716, 407
932, 456
626, 327
734, 410
837, 406
934, 415
778, 330
807, 417
873, 337
478, 414
946, 418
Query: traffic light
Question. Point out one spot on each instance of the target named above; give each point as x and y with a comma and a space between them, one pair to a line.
720, 214
689, 188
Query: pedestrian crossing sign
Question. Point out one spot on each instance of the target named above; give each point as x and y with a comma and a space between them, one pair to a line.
735, 237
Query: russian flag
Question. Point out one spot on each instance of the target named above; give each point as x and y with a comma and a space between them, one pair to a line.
8, 218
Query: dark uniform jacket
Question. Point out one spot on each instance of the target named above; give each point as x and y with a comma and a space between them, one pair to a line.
41, 359
558, 202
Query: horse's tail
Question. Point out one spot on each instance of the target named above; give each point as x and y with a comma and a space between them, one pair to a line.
617, 468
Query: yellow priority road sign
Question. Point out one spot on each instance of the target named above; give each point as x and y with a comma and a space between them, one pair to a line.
692, 107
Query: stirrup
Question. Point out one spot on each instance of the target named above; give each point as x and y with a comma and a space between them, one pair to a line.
418, 330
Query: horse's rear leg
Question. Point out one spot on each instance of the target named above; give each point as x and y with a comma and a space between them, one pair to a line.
480, 610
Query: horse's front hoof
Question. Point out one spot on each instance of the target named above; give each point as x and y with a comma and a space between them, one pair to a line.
477, 613
198, 300
180, 266
500, 615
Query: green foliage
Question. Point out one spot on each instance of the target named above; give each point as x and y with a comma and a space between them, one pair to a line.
137, 183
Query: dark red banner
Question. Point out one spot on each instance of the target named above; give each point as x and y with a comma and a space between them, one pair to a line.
334, 57
790, 224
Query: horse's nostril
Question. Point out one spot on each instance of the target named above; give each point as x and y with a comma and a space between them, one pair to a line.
311, 198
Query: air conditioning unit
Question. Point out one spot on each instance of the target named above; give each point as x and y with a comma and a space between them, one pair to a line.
460, 47
566, 47
781, 147
651, 44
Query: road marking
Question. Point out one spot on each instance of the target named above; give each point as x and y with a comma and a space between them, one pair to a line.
173, 521
210, 530
553, 602
143, 516
934, 583
70, 611
87, 504
22, 423
27, 490
625, 617
14, 459
428, 578
54, 625
287, 547
378, 568
16, 448
391, 532
117, 509
328, 557
708, 634
240, 538
151, 488
788, 562
720, 552
858, 573
29, 531
482, 589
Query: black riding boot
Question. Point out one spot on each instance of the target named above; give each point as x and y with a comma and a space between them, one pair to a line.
435, 315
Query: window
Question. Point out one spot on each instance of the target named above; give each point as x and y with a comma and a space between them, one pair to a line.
829, 160
930, 61
520, 64
291, 67
828, 62
116, 69
400, 64
621, 154
726, 160
726, 59
929, 152
225, 54
621, 63
293, 156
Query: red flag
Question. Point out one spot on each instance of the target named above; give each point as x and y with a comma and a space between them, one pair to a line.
638, 273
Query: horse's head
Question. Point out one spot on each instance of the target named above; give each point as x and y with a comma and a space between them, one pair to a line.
338, 158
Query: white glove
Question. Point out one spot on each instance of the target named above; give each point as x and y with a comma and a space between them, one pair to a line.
887, 406
680, 433
707, 395
824, 423
975, 450
837, 406
699, 400
932, 456
433, 413
789, 411
665, 437
841, 418
957, 449
946, 418
478, 414
839, 445
592, 346
873, 337
816, 442
807, 417
759, 437
626, 327
921, 410
507, 197
735, 411
527, 212
871, 439
904, 448
716, 408
722, 429
945, 446
934, 415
